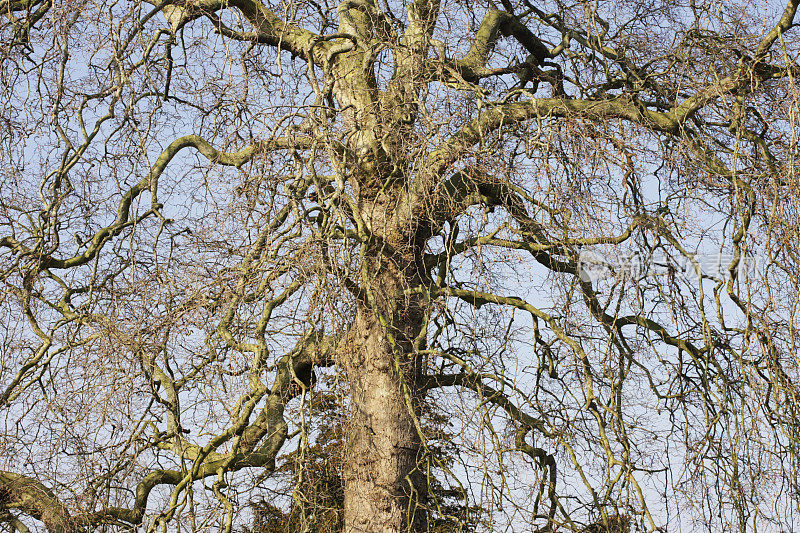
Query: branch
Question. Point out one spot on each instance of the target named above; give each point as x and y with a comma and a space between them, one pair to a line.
471, 380
740, 80
269, 28
472, 67
12, 6
545, 460
313, 350
497, 23
507, 115
783, 25
31, 497
293, 368
150, 183
34, 11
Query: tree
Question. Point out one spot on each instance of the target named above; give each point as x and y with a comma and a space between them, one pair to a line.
573, 227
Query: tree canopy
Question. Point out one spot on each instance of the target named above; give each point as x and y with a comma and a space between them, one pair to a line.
384, 266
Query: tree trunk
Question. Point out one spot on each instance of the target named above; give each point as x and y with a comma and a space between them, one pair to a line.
384, 490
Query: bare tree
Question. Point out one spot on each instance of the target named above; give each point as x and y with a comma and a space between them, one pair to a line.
567, 230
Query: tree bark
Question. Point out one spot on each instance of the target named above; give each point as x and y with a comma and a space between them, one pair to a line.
384, 489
